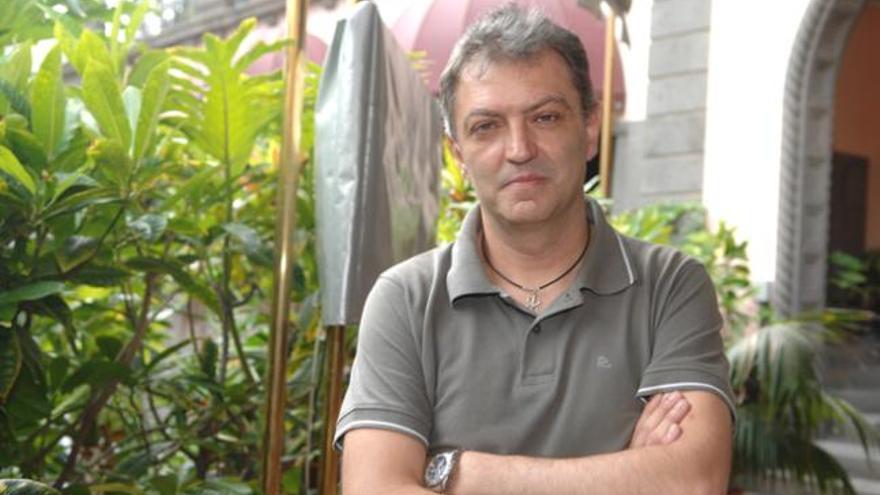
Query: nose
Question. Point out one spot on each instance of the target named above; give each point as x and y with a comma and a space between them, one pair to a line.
520, 144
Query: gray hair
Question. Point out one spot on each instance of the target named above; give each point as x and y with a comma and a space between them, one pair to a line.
512, 33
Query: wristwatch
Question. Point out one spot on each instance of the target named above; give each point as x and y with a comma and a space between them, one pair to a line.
440, 468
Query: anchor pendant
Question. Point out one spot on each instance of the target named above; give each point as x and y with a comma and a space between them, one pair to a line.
533, 301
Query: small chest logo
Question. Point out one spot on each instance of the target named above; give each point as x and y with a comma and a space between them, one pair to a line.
603, 362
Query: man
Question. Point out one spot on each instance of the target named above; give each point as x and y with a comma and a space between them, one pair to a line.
517, 360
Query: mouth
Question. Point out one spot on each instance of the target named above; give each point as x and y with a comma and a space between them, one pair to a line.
525, 179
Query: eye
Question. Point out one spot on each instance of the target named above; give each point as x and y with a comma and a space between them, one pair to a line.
547, 117
483, 127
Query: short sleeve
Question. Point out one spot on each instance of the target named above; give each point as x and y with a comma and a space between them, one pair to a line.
688, 351
387, 387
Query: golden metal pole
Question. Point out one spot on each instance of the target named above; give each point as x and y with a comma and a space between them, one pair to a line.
336, 367
607, 107
289, 169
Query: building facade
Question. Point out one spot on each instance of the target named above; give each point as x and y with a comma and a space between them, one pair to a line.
744, 110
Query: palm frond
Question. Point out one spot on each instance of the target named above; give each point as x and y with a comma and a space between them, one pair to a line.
768, 453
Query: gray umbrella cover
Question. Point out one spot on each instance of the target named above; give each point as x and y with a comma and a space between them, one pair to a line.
378, 157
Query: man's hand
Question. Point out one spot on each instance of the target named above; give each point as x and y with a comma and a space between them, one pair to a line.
660, 422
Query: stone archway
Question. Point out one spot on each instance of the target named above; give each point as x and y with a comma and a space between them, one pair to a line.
805, 180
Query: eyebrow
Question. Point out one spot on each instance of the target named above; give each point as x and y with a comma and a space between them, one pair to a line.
485, 112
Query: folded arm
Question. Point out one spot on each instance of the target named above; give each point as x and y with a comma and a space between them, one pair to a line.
697, 463
664, 457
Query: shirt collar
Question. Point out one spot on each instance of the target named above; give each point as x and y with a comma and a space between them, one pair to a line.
466, 275
606, 269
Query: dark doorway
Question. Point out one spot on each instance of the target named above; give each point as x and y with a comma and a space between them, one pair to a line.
846, 223
849, 192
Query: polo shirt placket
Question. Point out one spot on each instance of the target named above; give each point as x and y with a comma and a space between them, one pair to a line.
538, 358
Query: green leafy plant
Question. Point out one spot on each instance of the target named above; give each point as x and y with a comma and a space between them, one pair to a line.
136, 217
856, 280
783, 408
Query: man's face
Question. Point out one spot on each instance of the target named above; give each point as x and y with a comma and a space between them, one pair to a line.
522, 138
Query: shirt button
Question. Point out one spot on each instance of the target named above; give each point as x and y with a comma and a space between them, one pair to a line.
536, 330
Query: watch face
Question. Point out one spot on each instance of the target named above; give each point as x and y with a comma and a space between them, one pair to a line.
437, 469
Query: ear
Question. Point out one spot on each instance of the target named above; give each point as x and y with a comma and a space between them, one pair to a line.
456, 153
593, 124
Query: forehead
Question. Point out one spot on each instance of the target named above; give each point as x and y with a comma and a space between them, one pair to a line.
500, 85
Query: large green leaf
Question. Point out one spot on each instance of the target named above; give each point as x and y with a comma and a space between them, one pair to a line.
15, 71
10, 361
135, 20
28, 403
259, 50
144, 66
155, 91
48, 103
96, 373
103, 99
67, 42
73, 154
131, 100
27, 148
25, 487
7, 313
11, 99
75, 250
70, 203
111, 160
100, 276
254, 247
119, 47
91, 48
30, 292
67, 181
21, 20
226, 108
115, 488
149, 227
11, 167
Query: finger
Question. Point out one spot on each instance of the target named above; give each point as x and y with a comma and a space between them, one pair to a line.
679, 411
640, 431
651, 417
652, 404
666, 404
672, 433
669, 429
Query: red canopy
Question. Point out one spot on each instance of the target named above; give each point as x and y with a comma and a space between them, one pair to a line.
433, 26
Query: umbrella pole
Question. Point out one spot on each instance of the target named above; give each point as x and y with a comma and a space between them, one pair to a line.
336, 367
288, 177
607, 107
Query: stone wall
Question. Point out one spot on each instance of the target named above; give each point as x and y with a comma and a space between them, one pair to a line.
661, 158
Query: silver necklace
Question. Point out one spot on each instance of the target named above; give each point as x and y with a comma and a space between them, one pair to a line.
533, 298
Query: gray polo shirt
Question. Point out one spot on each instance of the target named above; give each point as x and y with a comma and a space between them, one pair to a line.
448, 358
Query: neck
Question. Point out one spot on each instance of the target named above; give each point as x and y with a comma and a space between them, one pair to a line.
532, 255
